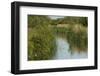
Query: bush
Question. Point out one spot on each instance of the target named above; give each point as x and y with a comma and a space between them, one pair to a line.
41, 43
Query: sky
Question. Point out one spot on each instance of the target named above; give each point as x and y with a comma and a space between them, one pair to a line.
55, 17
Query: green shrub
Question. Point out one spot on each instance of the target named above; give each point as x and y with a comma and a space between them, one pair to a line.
41, 43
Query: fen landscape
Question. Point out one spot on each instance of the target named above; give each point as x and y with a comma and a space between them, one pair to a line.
53, 37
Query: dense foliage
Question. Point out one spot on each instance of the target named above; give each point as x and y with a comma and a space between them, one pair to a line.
77, 38
41, 40
38, 20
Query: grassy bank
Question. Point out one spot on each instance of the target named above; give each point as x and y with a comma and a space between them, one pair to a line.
41, 43
41, 40
76, 36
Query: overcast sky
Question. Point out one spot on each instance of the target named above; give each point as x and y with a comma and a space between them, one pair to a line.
56, 17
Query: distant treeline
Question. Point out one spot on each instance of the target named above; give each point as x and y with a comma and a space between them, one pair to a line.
35, 20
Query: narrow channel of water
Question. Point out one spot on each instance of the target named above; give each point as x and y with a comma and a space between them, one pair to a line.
63, 51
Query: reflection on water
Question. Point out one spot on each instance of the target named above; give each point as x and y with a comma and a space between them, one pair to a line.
63, 51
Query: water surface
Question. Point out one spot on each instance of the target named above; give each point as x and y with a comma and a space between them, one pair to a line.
63, 51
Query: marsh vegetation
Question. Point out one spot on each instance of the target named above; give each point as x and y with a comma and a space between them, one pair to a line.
46, 33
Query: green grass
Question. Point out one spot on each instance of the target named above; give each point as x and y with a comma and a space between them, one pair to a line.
41, 43
76, 36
